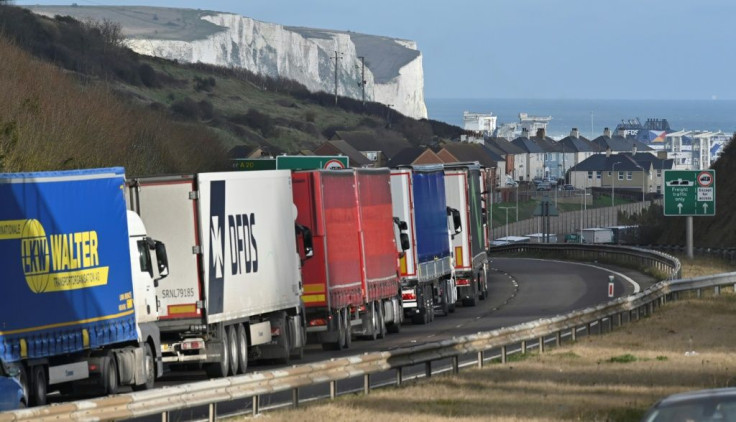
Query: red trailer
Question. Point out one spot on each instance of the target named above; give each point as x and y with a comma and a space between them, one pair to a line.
351, 286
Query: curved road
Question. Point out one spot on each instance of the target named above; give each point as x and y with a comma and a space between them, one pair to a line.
520, 290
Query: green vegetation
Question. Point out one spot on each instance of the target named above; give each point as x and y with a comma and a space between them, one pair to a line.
627, 358
110, 106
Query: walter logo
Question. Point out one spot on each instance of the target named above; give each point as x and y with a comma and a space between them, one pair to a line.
56, 262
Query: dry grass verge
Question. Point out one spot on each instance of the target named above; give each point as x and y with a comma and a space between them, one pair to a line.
615, 377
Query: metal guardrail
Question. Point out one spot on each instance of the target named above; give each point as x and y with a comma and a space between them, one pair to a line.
209, 393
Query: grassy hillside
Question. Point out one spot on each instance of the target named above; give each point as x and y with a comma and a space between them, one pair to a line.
180, 116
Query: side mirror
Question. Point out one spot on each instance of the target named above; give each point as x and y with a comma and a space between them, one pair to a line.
400, 224
307, 242
456, 221
404, 241
484, 216
162, 259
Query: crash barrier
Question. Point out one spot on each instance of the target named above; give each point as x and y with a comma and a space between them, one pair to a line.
535, 334
646, 259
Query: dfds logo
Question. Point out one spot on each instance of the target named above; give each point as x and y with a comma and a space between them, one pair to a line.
56, 262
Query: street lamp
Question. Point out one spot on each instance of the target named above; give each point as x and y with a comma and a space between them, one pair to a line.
507, 218
613, 181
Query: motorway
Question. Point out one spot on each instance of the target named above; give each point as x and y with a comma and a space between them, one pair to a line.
520, 290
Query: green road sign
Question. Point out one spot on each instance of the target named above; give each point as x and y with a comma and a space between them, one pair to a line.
690, 193
254, 164
311, 162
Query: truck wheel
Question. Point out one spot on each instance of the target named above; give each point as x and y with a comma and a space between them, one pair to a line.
348, 328
373, 322
233, 345
220, 369
149, 368
110, 382
381, 321
285, 341
38, 387
242, 349
298, 353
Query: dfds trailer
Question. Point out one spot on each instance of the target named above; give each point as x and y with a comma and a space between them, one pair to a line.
426, 268
234, 292
78, 283
351, 284
462, 191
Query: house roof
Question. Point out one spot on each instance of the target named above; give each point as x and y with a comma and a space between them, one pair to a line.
579, 144
467, 152
504, 145
620, 144
547, 144
411, 155
602, 162
341, 147
388, 142
527, 145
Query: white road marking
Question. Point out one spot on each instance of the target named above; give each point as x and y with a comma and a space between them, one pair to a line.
637, 288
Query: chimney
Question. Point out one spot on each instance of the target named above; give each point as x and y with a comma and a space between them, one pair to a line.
607, 132
621, 133
524, 132
634, 150
608, 152
575, 133
541, 132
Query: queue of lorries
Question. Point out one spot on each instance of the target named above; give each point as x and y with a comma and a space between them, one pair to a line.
109, 280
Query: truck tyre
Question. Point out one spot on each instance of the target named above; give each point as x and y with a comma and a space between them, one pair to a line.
285, 341
38, 386
242, 349
220, 369
109, 375
149, 368
381, 320
348, 328
233, 345
372, 322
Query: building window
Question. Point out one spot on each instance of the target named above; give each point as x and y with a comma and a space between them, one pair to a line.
659, 189
599, 175
590, 175
620, 175
659, 173
629, 175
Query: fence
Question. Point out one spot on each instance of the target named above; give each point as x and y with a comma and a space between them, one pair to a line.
535, 334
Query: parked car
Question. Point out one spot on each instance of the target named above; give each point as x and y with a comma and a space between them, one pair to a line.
12, 395
568, 187
717, 404
544, 186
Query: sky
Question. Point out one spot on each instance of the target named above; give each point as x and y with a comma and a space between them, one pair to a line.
556, 49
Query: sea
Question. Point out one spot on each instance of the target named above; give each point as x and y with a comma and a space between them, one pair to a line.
591, 117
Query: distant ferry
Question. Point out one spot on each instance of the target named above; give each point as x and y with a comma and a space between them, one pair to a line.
652, 131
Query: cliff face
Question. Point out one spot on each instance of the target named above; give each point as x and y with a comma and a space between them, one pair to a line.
393, 68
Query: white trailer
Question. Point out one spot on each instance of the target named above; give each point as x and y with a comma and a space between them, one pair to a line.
597, 235
234, 291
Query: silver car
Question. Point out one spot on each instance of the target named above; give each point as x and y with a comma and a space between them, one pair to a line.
695, 406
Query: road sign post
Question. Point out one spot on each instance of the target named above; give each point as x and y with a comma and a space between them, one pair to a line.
689, 193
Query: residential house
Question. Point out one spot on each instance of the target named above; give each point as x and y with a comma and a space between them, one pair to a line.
340, 147
463, 152
619, 143
508, 152
376, 145
530, 163
414, 156
642, 172
576, 149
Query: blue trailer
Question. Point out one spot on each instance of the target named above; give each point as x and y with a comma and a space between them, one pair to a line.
80, 305
428, 283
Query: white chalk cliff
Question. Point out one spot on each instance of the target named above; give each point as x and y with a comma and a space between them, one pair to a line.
393, 68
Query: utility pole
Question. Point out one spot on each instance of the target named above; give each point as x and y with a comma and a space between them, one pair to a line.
362, 77
337, 57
